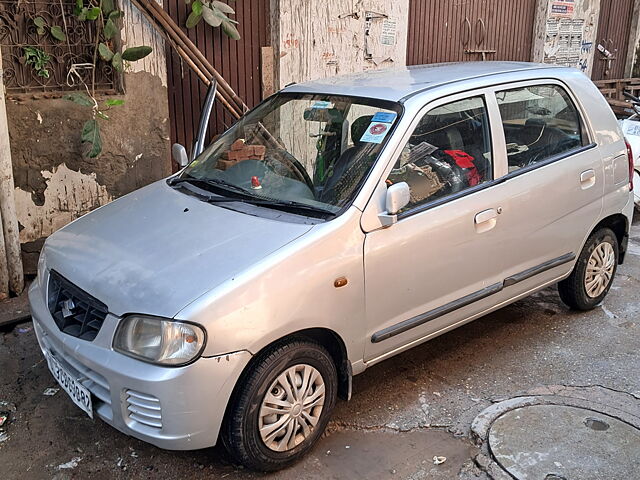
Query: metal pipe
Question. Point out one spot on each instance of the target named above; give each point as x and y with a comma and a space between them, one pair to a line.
205, 115
166, 20
200, 69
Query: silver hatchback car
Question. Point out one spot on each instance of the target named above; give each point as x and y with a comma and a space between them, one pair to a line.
338, 223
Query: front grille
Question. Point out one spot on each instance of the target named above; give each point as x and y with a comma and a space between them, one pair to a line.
144, 408
75, 311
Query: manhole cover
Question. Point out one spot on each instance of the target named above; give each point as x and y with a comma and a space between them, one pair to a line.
560, 442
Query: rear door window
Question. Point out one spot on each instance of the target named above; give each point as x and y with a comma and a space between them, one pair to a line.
539, 122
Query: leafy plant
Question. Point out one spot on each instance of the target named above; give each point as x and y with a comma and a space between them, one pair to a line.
55, 30
215, 13
91, 129
38, 59
105, 15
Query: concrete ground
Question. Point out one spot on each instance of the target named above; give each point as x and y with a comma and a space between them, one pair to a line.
404, 412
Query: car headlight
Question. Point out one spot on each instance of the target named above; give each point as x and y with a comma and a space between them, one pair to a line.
161, 341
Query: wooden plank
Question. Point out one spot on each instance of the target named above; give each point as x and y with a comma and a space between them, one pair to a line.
267, 65
15, 310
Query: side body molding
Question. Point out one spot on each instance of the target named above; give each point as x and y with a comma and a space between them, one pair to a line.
423, 318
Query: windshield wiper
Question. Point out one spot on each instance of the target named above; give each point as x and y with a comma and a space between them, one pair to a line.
245, 196
291, 206
210, 182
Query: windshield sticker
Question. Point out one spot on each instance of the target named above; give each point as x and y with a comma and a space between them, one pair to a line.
376, 131
322, 104
385, 117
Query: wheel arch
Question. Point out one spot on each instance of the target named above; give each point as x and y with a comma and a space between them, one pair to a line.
328, 338
619, 224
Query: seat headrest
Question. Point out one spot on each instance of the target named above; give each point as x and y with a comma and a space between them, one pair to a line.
535, 122
358, 127
454, 138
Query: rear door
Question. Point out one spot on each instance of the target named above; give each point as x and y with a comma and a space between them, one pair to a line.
442, 261
554, 184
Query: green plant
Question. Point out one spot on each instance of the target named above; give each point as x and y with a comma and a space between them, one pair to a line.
38, 59
55, 30
106, 18
214, 13
91, 129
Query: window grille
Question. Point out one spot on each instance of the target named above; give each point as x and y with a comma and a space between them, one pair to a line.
18, 30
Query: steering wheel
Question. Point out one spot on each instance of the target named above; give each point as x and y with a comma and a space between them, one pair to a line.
296, 168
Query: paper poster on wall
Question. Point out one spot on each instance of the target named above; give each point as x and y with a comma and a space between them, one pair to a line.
389, 31
565, 43
562, 8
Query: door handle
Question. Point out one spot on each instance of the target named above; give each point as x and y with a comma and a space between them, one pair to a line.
486, 215
485, 220
588, 178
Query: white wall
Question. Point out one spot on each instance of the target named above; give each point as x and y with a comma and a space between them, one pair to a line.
136, 31
324, 38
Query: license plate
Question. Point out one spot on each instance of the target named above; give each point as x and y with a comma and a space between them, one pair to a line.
78, 393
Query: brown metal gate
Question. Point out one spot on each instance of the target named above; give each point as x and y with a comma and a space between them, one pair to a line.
614, 27
451, 31
237, 61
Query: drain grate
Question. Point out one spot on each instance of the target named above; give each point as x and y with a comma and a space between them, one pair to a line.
559, 442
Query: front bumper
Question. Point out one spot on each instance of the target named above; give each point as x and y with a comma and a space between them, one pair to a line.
174, 408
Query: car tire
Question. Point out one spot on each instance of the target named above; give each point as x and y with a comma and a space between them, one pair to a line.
250, 420
593, 272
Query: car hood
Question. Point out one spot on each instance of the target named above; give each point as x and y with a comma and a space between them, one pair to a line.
158, 249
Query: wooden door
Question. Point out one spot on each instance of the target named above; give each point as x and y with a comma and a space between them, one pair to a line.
455, 31
237, 61
612, 40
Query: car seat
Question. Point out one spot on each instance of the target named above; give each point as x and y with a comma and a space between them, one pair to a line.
335, 181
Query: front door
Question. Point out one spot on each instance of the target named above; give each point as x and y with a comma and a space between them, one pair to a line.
441, 262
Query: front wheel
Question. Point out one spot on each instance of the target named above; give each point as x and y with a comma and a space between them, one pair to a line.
593, 272
282, 407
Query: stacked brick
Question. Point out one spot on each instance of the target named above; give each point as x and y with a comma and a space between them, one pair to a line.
239, 152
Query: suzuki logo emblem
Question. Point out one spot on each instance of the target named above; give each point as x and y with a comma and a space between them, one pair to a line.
67, 308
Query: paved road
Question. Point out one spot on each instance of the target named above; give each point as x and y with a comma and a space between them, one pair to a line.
404, 411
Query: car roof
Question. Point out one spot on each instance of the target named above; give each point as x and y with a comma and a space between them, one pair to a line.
398, 83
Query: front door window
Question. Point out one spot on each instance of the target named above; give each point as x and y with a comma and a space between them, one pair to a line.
448, 152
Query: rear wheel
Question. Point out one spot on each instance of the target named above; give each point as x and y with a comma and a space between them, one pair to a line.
593, 273
282, 407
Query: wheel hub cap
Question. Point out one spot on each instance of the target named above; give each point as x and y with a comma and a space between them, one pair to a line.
291, 408
600, 267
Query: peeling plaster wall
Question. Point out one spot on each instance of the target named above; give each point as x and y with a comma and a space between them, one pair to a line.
138, 31
324, 38
570, 33
68, 195
55, 183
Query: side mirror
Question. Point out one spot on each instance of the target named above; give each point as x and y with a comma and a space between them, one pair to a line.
398, 196
180, 155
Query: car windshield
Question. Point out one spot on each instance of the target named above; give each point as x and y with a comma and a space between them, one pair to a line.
297, 151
